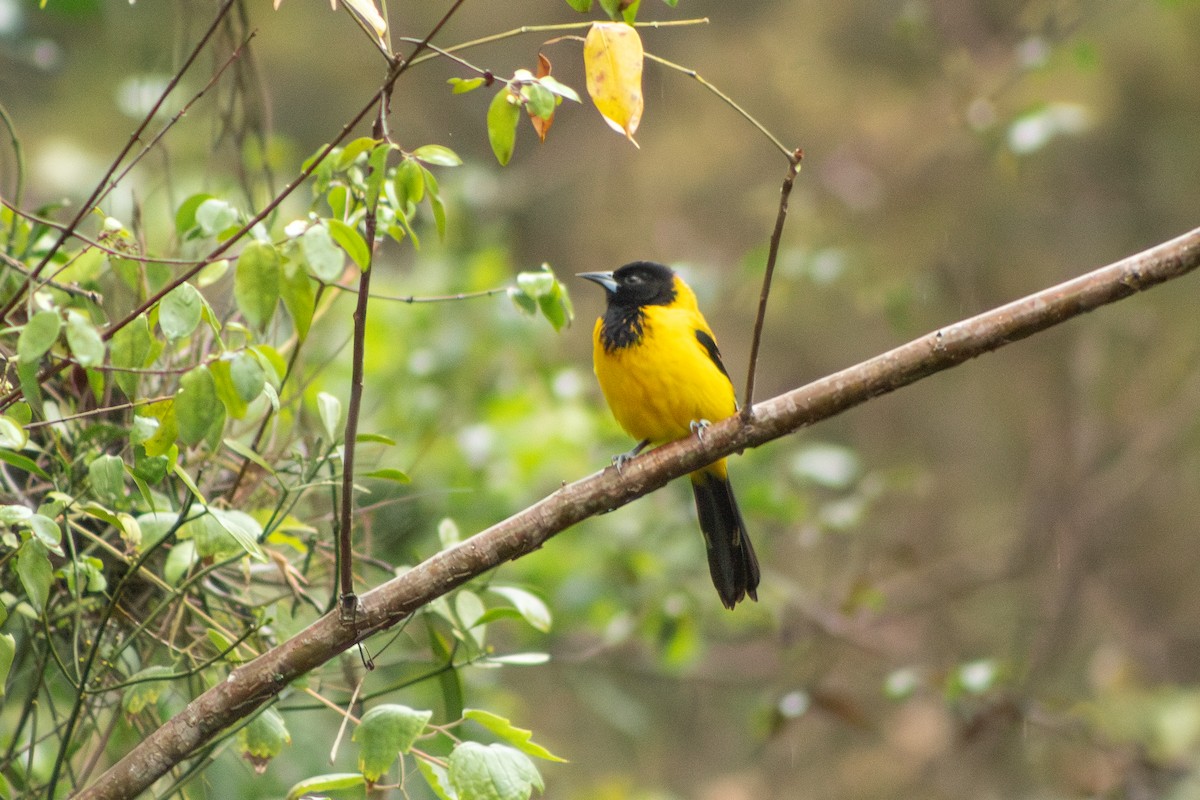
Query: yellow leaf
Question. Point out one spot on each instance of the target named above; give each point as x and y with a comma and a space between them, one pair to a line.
612, 58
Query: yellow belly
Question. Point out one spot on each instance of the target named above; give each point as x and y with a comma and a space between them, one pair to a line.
658, 387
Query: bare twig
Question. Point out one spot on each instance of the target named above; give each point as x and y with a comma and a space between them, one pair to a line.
772, 256
257, 682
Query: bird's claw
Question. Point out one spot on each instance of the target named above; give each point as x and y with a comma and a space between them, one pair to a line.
621, 459
698, 427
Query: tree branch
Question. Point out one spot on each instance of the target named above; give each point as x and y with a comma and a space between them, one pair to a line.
250, 686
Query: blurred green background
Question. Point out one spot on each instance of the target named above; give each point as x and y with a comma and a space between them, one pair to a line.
982, 586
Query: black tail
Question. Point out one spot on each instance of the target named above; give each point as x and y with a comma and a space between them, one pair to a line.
731, 558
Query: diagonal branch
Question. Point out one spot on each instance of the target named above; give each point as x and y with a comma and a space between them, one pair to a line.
250, 686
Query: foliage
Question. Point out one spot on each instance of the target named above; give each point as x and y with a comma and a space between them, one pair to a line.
1014, 619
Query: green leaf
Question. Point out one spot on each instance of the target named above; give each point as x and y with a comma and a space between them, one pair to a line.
517, 737
12, 433
349, 240
106, 475
539, 100
46, 531
12, 514
33, 568
582, 6
179, 311
318, 784
524, 303
502, 117
38, 335
409, 184
531, 607
352, 151
264, 737
464, 85
329, 408
536, 283
559, 88
249, 378
197, 407
438, 779
85, 574
449, 679
375, 438
22, 463
84, 340
437, 154
130, 348
185, 216
493, 772
215, 216
244, 529
556, 306
8, 649
223, 534
234, 405
256, 283
385, 732
394, 475
299, 294
378, 167
180, 560
151, 683
322, 256
239, 379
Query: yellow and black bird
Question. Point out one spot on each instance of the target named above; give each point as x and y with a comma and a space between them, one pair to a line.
661, 373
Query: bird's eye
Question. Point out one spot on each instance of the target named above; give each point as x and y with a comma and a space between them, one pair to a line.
633, 279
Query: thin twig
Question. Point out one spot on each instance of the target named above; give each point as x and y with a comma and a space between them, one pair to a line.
413, 299
562, 26
772, 256
19, 157
729, 101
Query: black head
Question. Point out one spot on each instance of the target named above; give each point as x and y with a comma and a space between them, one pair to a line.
641, 283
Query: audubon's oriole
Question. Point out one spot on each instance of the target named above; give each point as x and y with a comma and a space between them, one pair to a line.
661, 373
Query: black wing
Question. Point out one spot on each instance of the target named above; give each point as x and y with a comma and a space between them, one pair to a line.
713, 352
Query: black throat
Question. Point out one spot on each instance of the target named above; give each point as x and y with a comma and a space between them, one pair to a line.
622, 327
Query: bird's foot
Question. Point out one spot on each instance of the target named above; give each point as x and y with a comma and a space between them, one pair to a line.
621, 459
698, 427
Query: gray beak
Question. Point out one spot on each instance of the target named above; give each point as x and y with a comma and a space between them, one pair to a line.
605, 279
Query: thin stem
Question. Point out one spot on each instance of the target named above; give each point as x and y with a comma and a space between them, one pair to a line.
562, 26
346, 516
413, 299
729, 101
19, 157
772, 255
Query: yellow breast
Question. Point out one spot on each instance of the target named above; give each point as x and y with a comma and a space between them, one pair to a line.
658, 386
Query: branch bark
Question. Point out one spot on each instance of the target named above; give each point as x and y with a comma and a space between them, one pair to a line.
250, 686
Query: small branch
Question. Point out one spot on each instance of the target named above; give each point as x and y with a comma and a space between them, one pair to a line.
562, 26
345, 532
412, 299
258, 682
772, 256
19, 182
729, 101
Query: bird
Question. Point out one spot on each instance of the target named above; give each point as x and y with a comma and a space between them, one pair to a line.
660, 371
